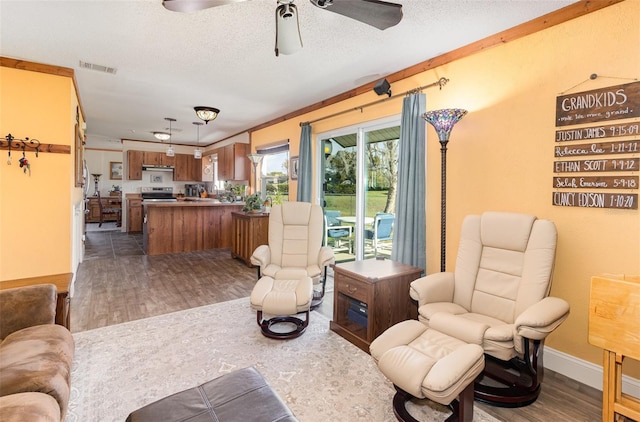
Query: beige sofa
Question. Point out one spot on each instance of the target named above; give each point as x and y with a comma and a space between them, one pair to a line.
35, 356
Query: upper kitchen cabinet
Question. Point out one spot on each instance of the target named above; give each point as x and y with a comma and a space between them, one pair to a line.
155, 158
134, 164
187, 168
233, 163
152, 158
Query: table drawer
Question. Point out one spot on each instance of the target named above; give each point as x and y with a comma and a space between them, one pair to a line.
353, 288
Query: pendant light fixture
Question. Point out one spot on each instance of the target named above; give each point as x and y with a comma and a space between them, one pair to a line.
170, 151
288, 39
197, 153
206, 113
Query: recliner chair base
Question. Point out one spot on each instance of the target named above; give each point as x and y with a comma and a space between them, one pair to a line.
462, 407
318, 295
520, 379
266, 324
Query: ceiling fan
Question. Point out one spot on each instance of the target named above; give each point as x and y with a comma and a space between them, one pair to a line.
376, 13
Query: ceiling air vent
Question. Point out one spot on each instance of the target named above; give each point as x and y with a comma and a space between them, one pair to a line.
98, 67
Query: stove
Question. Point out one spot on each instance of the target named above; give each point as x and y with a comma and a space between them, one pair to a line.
157, 194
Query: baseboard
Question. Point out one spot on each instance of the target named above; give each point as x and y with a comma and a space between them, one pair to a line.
584, 372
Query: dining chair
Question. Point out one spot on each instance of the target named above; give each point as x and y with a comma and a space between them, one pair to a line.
114, 207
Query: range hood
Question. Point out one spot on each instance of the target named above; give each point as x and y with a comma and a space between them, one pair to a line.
155, 167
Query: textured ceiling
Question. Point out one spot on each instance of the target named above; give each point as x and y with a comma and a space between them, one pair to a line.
223, 57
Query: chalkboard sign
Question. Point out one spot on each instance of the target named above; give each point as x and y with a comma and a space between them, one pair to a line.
597, 182
601, 148
598, 132
596, 200
624, 164
610, 103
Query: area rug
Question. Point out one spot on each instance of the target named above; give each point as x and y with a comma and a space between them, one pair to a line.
320, 376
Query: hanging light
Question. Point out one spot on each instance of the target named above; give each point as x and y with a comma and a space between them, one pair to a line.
197, 153
288, 39
170, 151
206, 113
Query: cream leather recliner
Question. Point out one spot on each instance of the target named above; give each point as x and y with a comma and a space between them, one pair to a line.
295, 246
500, 288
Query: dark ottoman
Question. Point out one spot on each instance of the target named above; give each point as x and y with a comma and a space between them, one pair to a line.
243, 395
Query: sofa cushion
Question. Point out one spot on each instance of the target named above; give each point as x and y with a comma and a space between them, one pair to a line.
32, 407
38, 359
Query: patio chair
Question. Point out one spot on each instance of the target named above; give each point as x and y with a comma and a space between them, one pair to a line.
335, 231
382, 230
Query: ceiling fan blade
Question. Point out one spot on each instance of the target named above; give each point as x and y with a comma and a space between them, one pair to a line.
188, 6
380, 14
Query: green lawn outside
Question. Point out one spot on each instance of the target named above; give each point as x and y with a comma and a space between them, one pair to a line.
346, 204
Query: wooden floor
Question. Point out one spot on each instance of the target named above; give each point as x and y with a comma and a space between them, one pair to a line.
117, 282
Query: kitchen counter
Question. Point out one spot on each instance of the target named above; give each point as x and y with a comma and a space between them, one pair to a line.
185, 226
195, 202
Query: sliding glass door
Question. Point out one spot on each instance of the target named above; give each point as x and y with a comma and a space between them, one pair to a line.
358, 176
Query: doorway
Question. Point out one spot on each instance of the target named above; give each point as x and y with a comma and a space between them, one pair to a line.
358, 179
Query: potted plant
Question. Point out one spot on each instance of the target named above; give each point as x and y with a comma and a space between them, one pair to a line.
253, 203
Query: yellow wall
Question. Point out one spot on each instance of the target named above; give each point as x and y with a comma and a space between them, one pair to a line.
500, 155
36, 211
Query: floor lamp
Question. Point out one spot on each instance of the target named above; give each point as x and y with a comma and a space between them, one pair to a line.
96, 180
443, 121
255, 160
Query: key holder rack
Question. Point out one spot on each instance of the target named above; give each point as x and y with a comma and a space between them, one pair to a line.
10, 142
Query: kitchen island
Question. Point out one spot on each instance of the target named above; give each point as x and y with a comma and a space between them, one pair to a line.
186, 226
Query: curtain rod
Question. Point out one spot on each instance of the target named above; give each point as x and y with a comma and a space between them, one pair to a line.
440, 82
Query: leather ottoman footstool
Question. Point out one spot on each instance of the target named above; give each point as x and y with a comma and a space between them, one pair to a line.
284, 298
243, 395
431, 362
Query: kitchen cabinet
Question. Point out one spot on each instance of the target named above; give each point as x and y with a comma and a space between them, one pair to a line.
185, 226
249, 232
187, 168
134, 164
165, 160
153, 158
233, 163
156, 158
134, 215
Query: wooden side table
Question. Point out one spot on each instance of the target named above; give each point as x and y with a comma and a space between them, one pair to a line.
249, 232
371, 296
61, 281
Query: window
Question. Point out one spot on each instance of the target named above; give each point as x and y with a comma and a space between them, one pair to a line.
274, 173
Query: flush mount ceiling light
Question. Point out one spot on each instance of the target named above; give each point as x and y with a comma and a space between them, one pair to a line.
162, 136
206, 113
